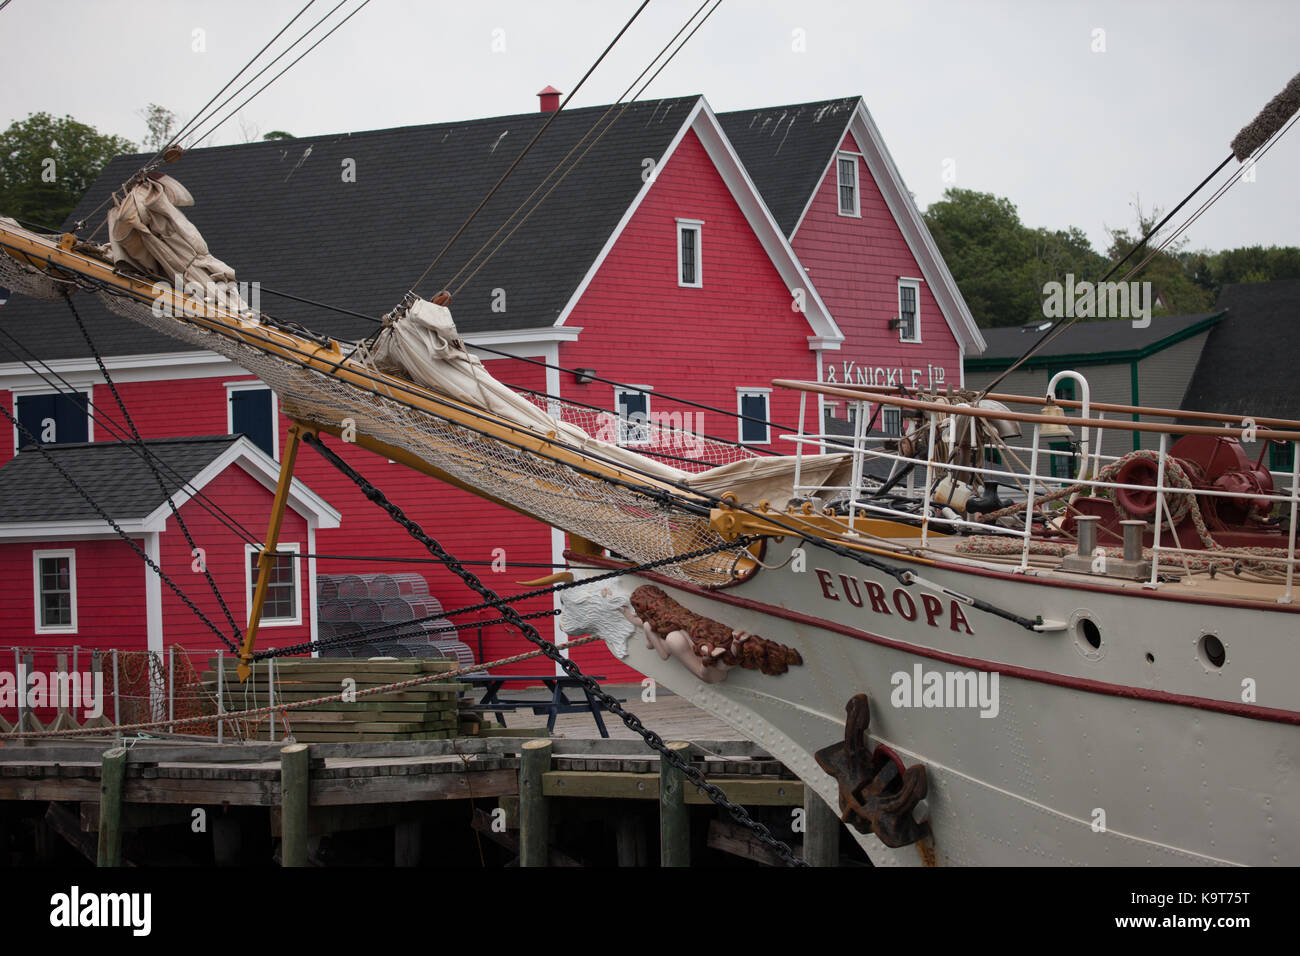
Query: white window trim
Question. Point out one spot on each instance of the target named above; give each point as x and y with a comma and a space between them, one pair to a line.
232, 387
857, 184
632, 390
250, 583
20, 392
914, 284
741, 393
71, 555
698, 226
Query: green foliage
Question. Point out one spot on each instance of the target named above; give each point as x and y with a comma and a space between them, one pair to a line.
47, 164
1002, 266
277, 134
999, 264
161, 123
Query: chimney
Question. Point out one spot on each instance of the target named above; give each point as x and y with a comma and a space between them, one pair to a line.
550, 99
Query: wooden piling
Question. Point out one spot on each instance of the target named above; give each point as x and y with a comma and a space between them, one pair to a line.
111, 777
674, 818
821, 837
534, 815
408, 837
294, 796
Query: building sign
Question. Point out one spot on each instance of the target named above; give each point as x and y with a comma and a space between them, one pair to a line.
849, 372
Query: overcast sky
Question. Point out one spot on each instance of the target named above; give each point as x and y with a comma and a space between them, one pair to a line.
1071, 109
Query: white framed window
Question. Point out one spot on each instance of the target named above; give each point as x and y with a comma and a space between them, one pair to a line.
54, 418
891, 420
909, 310
690, 253
846, 181
633, 405
54, 589
252, 410
283, 605
753, 404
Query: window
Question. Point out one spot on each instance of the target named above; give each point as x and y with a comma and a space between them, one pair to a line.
752, 403
252, 412
58, 419
1065, 389
909, 326
689, 256
633, 405
1280, 456
892, 422
1062, 458
282, 606
55, 590
846, 172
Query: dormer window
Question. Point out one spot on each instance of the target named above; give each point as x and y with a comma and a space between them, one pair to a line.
690, 253
847, 177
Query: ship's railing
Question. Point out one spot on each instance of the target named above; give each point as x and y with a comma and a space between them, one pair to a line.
955, 421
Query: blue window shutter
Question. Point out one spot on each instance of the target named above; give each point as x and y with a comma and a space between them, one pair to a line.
250, 414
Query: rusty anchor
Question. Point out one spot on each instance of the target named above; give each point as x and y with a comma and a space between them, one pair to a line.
877, 795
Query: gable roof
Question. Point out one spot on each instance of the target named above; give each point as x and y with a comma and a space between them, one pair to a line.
789, 169
1248, 365
1089, 343
118, 477
291, 215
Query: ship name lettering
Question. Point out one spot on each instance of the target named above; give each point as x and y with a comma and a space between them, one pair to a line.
903, 603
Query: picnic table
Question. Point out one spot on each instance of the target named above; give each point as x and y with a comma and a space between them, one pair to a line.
493, 702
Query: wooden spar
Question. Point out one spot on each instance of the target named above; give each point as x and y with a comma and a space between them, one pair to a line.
266, 560
1113, 407
329, 359
944, 408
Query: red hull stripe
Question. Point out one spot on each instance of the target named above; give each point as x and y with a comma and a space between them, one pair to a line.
1252, 711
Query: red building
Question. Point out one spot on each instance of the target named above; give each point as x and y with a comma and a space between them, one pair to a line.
686, 255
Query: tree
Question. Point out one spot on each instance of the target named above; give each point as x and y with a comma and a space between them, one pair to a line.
161, 123
1170, 270
1001, 266
277, 134
47, 164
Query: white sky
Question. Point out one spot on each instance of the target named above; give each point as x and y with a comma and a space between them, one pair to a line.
1011, 92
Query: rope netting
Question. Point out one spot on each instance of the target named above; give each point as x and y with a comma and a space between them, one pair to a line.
628, 522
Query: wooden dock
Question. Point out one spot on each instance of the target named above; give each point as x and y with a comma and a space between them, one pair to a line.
260, 799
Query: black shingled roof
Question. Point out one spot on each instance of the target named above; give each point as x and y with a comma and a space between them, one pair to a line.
281, 213
788, 168
114, 473
1248, 365
1112, 338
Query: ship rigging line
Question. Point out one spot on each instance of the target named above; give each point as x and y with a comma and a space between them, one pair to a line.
162, 485
662, 496
601, 119
76, 486
593, 689
74, 395
1265, 130
559, 368
527, 148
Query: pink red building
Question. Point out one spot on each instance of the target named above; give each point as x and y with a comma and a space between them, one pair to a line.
688, 255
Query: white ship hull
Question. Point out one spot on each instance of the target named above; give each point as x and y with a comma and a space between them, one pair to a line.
1093, 756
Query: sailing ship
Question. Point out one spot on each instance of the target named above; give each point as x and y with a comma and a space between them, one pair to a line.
1092, 670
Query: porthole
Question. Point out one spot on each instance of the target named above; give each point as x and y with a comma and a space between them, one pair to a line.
1211, 651
1151, 658
1087, 635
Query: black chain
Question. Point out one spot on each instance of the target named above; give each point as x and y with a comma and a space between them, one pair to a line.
149, 460
116, 527
611, 704
306, 646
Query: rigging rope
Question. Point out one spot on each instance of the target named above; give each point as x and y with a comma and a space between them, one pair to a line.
148, 458
592, 688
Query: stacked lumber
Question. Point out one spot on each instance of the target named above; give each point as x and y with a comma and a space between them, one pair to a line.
428, 711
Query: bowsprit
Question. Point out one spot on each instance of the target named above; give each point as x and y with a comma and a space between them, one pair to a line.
877, 795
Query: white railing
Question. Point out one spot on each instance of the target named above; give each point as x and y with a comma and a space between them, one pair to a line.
951, 421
